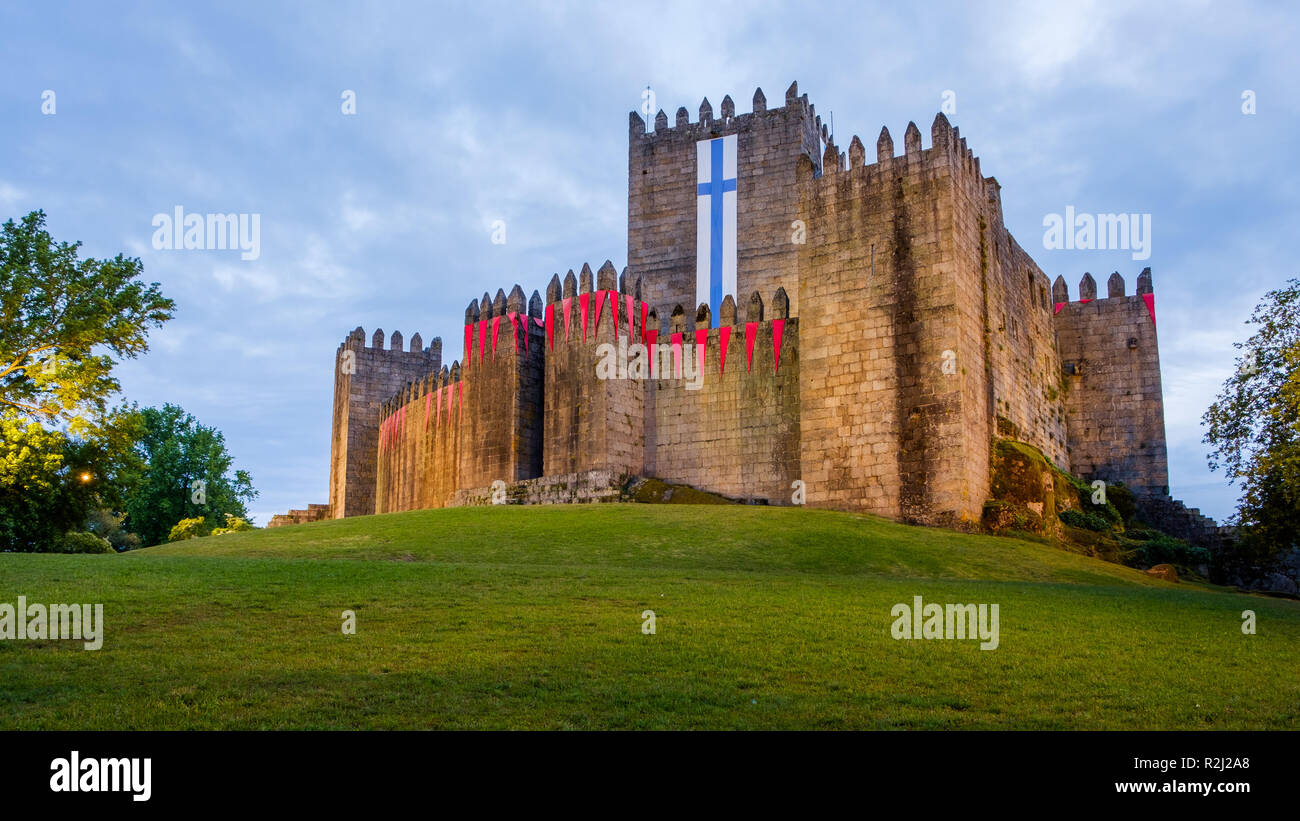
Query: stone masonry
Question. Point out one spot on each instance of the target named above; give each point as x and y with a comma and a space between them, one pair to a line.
887, 330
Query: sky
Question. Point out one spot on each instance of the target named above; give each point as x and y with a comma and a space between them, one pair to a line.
468, 114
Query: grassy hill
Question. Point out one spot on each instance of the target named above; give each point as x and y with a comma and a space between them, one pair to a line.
530, 617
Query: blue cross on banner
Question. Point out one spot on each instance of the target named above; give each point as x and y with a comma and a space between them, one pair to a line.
715, 234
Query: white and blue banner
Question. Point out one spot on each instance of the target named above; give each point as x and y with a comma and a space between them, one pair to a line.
715, 231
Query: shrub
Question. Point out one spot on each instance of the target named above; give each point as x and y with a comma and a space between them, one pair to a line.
188, 529
234, 524
1087, 521
1163, 549
84, 542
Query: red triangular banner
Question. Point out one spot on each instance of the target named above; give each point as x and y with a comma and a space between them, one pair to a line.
600, 303
724, 337
778, 330
469, 341
584, 300
645, 311
514, 327
1150, 300
751, 330
496, 327
701, 344
1059, 306
550, 326
613, 310
651, 337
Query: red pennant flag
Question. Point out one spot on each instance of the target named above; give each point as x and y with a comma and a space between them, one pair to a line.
496, 327
651, 337
724, 337
1150, 300
482, 339
568, 305
600, 302
550, 326
1084, 300
645, 312
584, 300
469, 342
677, 354
514, 327
751, 329
701, 343
613, 310
627, 301
1059, 306
778, 329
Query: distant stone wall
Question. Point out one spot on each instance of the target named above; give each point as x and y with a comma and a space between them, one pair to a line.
313, 513
1114, 404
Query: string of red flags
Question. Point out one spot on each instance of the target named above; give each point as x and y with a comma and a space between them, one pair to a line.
751, 330
1150, 300
724, 337
550, 326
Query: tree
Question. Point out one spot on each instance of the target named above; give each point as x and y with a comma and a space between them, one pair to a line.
186, 475
1254, 429
62, 322
52, 482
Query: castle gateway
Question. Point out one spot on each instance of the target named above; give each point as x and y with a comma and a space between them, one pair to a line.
866, 329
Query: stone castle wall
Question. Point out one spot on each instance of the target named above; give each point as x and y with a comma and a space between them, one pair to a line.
1115, 404
364, 378
914, 331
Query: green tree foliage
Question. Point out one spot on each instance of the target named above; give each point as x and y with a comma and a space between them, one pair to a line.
52, 482
188, 529
1254, 428
186, 475
63, 320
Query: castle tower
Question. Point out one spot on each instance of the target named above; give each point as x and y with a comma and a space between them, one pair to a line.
364, 378
1114, 403
716, 199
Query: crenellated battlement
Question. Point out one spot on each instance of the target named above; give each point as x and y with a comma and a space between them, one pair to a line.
878, 329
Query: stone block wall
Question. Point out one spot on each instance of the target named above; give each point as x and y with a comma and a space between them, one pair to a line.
1114, 403
662, 191
731, 425
364, 378
591, 422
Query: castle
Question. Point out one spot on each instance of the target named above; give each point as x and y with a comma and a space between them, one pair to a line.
794, 325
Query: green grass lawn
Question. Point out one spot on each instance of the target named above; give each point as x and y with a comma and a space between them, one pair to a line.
530, 617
